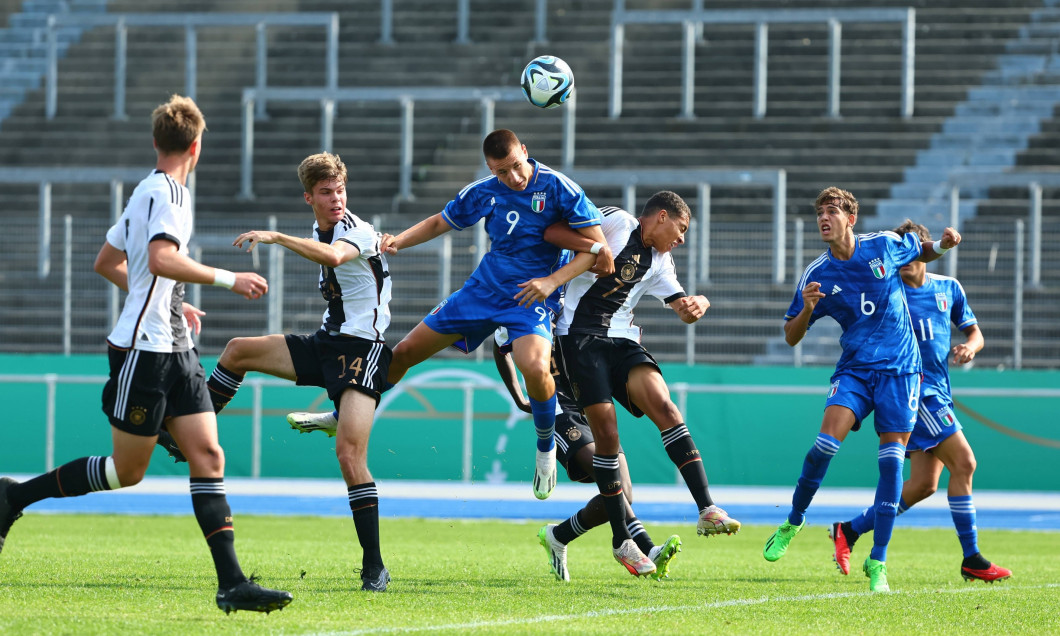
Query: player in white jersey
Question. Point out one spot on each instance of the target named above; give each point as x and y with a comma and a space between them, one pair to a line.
575, 449
604, 360
348, 355
857, 283
155, 374
937, 441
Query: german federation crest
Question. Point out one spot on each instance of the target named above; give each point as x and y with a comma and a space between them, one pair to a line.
878, 270
942, 301
537, 203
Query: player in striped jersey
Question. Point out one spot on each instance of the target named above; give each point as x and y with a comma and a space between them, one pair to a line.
575, 448
513, 285
604, 360
937, 440
857, 282
155, 374
348, 355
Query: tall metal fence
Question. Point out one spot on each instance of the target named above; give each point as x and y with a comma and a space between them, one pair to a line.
72, 309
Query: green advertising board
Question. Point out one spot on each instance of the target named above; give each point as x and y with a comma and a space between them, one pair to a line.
753, 425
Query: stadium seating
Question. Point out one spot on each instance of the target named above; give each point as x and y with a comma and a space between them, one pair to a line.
965, 51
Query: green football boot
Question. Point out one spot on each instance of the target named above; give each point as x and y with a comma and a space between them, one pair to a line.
662, 555
877, 573
777, 544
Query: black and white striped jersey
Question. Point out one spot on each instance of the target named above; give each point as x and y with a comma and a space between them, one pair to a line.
152, 318
358, 291
604, 306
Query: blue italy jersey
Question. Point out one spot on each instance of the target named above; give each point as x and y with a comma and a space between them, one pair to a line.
865, 295
516, 222
933, 305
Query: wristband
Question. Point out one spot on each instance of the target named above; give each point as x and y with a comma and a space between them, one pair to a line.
595, 249
223, 278
937, 246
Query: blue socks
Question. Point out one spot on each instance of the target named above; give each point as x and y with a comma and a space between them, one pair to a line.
963, 512
545, 422
891, 458
813, 470
866, 521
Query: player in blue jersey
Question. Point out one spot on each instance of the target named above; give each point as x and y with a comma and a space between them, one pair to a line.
513, 285
937, 440
857, 282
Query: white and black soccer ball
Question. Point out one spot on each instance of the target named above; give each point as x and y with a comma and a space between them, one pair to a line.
547, 81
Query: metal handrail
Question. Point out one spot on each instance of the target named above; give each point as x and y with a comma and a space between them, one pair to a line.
328, 97
1033, 180
463, 21
44, 177
694, 19
703, 180
468, 385
121, 23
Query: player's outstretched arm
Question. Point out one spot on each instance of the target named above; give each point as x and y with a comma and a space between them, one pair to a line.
690, 308
930, 251
320, 253
506, 369
113, 264
795, 329
425, 230
538, 289
964, 352
165, 260
561, 235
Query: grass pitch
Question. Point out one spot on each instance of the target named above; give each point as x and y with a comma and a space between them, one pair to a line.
92, 574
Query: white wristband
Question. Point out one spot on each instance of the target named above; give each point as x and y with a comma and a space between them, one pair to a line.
937, 246
223, 278
595, 249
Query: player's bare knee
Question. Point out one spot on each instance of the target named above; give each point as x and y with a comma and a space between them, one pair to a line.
963, 468
130, 475
234, 355
352, 451
606, 439
922, 491
207, 459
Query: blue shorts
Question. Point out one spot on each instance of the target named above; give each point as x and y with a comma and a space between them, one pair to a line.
936, 422
894, 398
475, 313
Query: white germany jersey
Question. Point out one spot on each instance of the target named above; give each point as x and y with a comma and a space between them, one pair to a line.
604, 306
152, 319
358, 291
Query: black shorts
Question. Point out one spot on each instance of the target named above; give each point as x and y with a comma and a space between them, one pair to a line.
145, 387
337, 363
598, 368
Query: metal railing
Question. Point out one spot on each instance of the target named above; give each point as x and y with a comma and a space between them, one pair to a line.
486, 96
463, 21
468, 387
190, 21
1033, 181
44, 177
702, 180
692, 22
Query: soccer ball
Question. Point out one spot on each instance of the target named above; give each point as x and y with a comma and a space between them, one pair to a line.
547, 81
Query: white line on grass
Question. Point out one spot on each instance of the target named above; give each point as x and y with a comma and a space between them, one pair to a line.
665, 608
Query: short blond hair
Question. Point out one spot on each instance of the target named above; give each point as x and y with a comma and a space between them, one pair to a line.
839, 198
176, 124
322, 166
